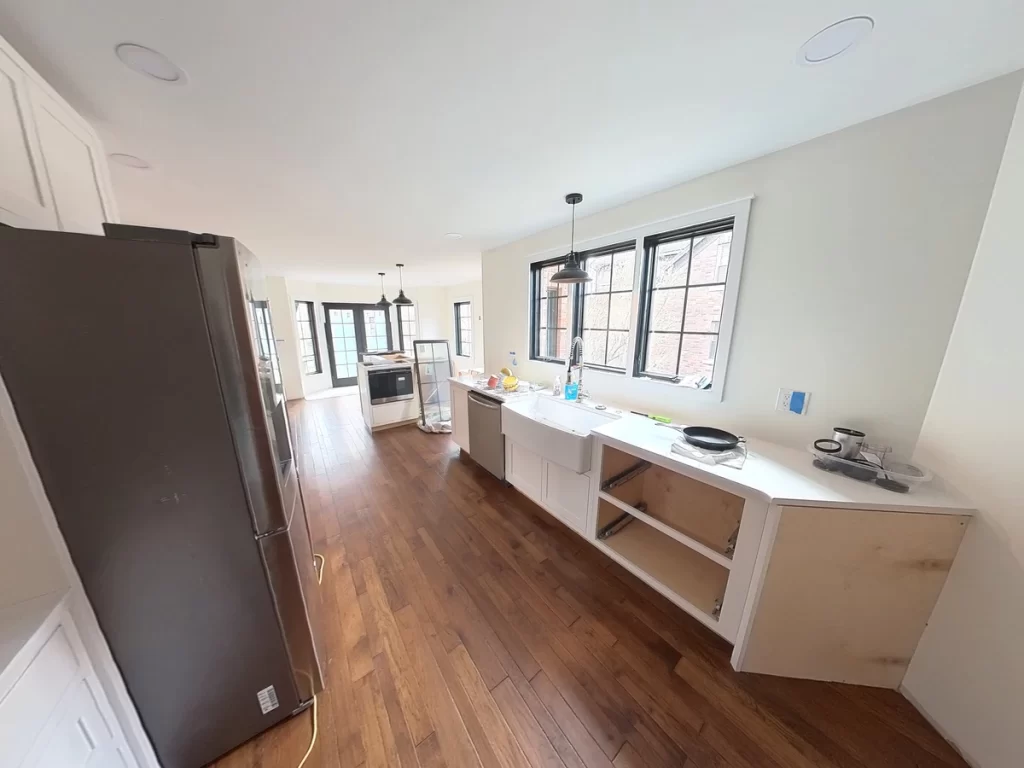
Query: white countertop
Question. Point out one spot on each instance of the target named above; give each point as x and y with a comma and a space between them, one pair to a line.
19, 623
498, 394
778, 474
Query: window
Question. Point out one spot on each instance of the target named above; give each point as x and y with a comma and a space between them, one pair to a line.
406, 326
604, 306
265, 338
376, 330
549, 325
463, 329
682, 302
309, 350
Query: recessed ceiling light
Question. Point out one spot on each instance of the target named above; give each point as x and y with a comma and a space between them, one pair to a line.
453, 235
150, 63
129, 161
835, 40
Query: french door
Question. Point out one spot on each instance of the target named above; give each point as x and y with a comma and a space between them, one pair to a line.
352, 331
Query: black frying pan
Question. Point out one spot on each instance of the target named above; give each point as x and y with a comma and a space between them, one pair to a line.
711, 439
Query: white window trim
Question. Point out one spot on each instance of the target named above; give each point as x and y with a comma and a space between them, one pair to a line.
739, 211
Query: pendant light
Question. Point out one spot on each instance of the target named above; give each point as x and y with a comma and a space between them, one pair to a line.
572, 272
383, 303
401, 298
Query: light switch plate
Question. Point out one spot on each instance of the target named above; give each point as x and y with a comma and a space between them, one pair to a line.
793, 401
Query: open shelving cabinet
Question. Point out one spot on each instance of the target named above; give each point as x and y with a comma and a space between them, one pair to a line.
691, 541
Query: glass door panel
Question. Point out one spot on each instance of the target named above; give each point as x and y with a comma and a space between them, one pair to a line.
344, 348
352, 331
377, 329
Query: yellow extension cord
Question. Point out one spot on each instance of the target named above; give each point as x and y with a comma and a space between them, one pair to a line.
312, 741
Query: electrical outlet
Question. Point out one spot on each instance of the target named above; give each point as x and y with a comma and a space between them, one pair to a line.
793, 401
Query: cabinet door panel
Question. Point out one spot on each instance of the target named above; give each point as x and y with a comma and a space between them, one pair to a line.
24, 195
82, 737
566, 495
72, 159
460, 417
524, 470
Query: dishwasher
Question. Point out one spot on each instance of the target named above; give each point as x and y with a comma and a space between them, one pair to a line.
486, 443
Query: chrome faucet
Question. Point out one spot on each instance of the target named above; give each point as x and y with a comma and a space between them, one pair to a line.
569, 367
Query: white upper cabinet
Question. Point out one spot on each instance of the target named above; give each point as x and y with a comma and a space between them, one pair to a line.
73, 160
53, 171
25, 199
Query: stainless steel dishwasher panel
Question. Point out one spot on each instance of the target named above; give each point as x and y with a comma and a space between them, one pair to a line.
486, 443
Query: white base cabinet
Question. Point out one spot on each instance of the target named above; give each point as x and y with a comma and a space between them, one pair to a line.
460, 416
559, 491
53, 712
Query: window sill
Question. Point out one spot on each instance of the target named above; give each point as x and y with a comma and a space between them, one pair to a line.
552, 360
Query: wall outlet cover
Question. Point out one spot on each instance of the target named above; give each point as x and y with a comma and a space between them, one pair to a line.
793, 401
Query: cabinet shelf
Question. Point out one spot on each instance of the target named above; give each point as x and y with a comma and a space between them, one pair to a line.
677, 570
704, 550
696, 514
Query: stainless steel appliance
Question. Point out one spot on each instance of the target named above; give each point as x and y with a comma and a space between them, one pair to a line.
388, 384
850, 441
143, 371
486, 442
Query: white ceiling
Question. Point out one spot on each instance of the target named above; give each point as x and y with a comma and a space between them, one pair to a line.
337, 137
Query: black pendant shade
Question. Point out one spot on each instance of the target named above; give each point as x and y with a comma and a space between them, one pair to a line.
383, 303
572, 272
401, 298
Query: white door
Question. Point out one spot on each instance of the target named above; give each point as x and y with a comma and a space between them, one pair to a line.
82, 737
74, 164
25, 199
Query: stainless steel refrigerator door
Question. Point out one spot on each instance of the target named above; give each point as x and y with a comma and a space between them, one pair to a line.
108, 361
486, 442
288, 558
231, 286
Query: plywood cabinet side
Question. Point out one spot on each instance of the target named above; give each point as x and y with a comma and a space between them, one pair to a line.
847, 593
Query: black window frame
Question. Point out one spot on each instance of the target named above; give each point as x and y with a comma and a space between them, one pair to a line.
458, 329
535, 296
643, 320
311, 319
401, 330
579, 299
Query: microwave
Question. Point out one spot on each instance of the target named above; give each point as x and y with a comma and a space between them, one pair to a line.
390, 384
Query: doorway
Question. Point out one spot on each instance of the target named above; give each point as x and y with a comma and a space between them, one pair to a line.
354, 330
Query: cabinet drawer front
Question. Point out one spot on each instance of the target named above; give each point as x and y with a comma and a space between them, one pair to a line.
25, 710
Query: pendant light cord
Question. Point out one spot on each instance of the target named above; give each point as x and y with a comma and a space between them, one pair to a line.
572, 238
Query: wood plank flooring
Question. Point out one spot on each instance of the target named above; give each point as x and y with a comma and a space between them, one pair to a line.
466, 627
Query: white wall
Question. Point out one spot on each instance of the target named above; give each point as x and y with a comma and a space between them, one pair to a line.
472, 292
29, 565
968, 671
858, 248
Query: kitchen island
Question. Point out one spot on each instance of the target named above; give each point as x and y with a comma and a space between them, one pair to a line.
388, 395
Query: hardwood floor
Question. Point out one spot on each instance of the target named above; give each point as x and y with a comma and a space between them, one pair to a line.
466, 627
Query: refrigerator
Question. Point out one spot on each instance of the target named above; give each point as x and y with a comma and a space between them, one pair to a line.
143, 369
